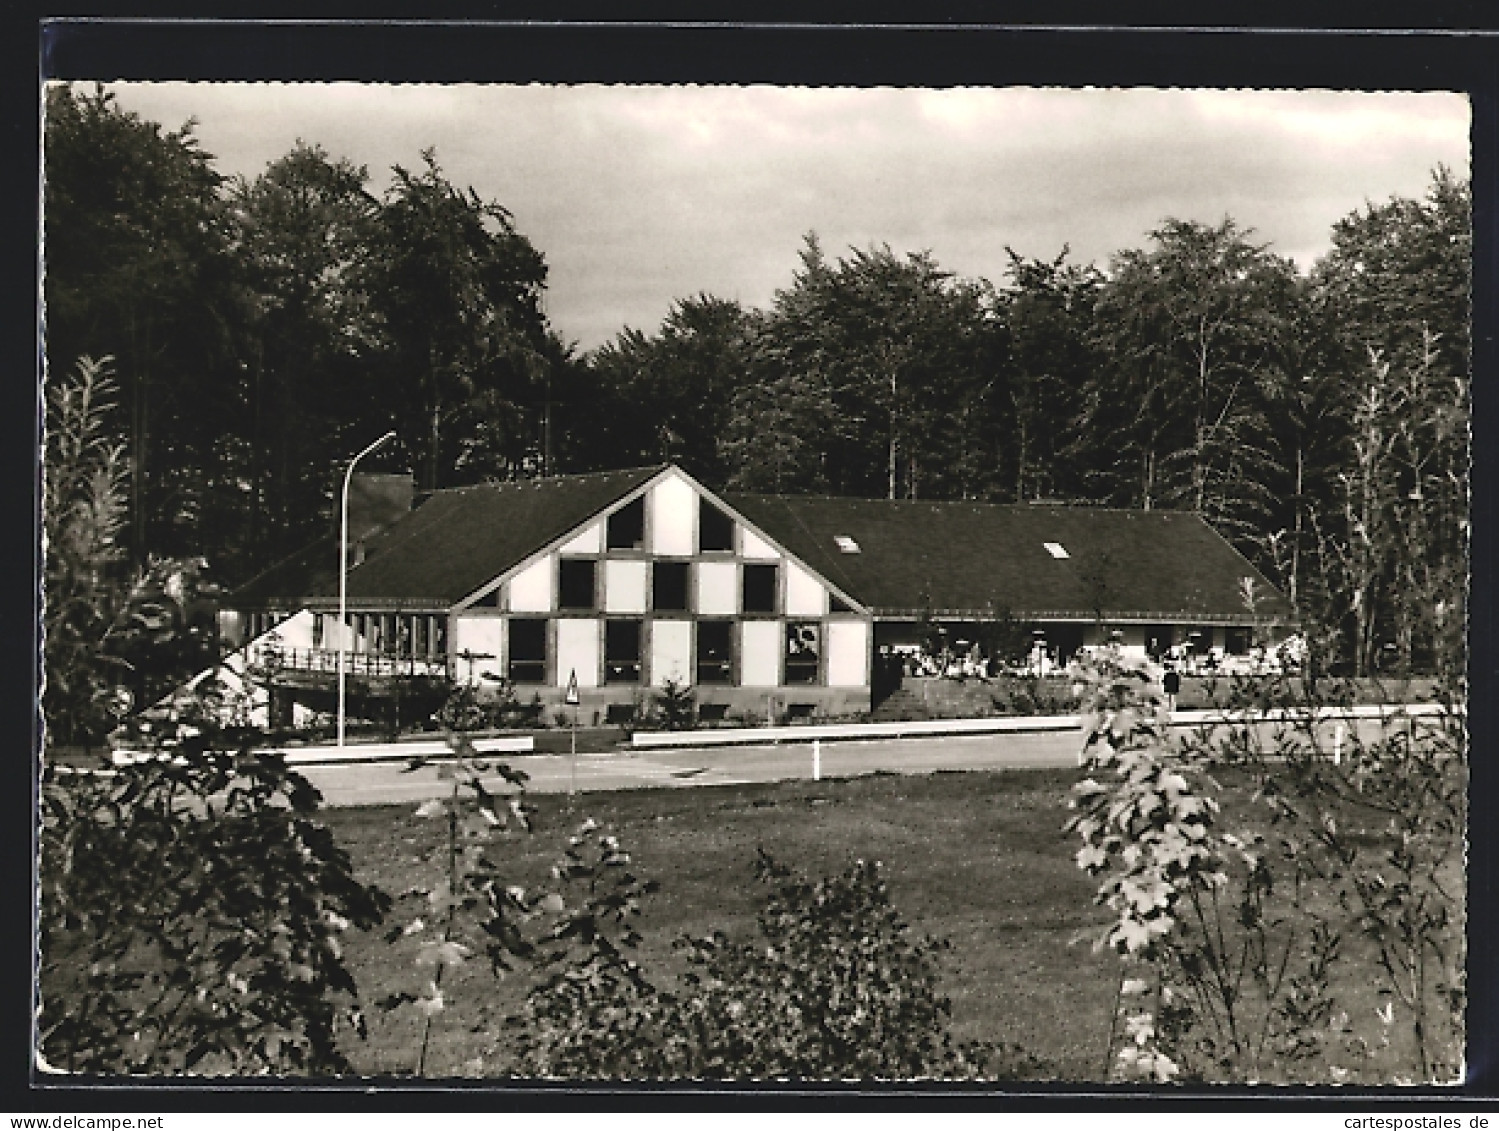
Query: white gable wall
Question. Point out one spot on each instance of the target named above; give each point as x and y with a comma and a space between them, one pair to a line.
753, 546
591, 541
625, 585
717, 588
805, 595
531, 589
672, 521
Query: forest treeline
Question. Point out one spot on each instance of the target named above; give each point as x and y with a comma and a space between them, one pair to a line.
263, 331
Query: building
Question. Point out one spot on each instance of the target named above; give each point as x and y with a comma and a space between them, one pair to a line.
763, 605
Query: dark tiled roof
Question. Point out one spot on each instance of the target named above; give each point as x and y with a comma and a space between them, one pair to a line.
966, 558
960, 559
450, 545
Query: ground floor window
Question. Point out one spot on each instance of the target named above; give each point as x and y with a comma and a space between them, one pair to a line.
714, 651
1236, 641
803, 652
1158, 640
622, 651
528, 650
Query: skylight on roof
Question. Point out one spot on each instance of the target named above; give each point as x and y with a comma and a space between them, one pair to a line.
846, 544
1056, 549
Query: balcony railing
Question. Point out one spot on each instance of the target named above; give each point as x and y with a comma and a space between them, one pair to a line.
368, 664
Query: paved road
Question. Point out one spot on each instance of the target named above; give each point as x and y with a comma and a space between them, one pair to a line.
558, 773
374, 784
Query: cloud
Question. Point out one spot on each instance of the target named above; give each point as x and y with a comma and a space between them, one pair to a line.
641, 195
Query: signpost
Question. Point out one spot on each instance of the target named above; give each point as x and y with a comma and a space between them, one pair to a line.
572, 699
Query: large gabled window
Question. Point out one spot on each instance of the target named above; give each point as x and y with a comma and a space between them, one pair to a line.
715, 530
626, 527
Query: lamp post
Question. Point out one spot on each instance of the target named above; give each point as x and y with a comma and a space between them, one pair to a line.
343, 582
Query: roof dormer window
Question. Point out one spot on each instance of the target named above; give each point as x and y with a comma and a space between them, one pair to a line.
1056, 550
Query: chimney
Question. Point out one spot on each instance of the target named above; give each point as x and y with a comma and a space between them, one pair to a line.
375, 502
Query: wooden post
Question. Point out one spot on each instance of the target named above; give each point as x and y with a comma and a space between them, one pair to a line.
817, 759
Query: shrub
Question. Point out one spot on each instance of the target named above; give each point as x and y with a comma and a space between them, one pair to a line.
1380, 810
676, 706
1230, 937
835, 988
190, 914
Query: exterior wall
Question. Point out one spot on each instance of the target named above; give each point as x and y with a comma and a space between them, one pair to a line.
577, 638
532, 590
483, 637
670, 652
717, 588
760, 653
671, 518
848, 653
805, 595
579, 651
591, 541
626, 586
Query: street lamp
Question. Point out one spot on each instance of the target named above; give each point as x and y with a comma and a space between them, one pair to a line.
343, 582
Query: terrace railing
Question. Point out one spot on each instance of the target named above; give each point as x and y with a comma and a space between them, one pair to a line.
366, 664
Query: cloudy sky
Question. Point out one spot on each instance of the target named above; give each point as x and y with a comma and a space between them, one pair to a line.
640, 195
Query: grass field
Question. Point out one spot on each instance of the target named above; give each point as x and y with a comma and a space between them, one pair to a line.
978, 859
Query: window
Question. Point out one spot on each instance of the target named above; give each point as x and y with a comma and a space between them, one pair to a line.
622, 651
317, 630
419, 636
846, 545
837, 604
714, 655
440, 636
1158, 640
715, 530
803, 651
1236, 641
576, 589
528, 650
627, 526
759, 589
669, 586
490, 600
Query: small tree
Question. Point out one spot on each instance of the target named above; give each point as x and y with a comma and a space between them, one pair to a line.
676, 706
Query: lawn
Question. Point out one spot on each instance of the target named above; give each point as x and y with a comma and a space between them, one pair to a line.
978, 859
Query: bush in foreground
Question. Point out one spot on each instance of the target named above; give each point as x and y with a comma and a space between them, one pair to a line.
834, 988
191, 909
